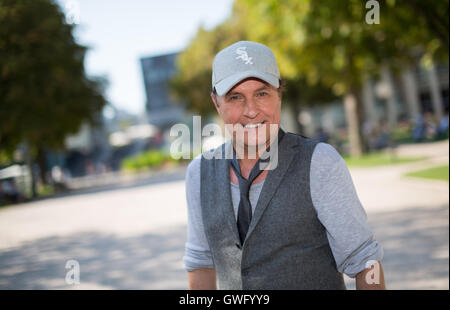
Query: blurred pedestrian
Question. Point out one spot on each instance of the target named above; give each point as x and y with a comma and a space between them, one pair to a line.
418, 131
430, 126
442, 131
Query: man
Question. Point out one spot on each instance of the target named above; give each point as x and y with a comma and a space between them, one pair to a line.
295, 224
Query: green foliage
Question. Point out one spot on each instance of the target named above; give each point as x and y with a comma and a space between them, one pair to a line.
402, 134
45, 190
4, 158
147, 160
436, 173
192, 83
329, 41
44, 92
320, 46
378, 159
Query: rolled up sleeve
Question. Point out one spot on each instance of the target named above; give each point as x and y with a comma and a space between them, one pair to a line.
340, 211
197, 252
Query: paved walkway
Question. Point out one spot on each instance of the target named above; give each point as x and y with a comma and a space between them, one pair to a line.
132, 237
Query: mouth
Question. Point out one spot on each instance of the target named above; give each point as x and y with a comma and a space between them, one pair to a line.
252, 126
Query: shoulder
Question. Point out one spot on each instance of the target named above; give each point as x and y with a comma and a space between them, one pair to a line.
324, 153
300, 140
324, 156
303, 146
193, 169
327, 163
223, 151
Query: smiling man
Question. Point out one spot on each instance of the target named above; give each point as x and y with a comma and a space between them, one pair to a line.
291, 222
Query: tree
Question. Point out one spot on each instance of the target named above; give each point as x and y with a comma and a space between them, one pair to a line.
44, 91
329, 42
191, 85
277, 24
321, 46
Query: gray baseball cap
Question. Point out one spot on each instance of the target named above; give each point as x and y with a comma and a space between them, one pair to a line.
242, 60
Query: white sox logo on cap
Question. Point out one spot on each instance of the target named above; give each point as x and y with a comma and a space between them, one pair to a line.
234, 64
243, 55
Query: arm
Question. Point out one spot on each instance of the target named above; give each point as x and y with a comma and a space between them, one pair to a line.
342, 214
198, 258
202, 279
371, 278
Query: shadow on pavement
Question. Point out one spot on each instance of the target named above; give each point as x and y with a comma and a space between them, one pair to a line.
133, 183
415, 242
150, 261
416, 247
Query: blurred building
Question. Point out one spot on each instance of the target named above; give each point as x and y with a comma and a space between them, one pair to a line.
162, 109
86, 152
417, 92
412, 94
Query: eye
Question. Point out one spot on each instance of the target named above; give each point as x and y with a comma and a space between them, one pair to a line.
262, 94
234, 98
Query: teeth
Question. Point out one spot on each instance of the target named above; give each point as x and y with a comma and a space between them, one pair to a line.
252, 125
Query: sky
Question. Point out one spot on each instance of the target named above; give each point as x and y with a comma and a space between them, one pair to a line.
119, 33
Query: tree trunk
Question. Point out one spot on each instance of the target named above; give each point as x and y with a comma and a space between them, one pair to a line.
353, 112
299, 127
42, 162
29, 160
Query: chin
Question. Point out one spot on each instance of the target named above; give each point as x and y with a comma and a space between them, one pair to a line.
255, 138
254, 142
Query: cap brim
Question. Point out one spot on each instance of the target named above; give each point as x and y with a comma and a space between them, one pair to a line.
226, 84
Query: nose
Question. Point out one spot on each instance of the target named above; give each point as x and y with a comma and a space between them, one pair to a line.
251, 109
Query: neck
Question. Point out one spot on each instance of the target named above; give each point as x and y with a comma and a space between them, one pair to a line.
246, 165
251, 154
247, 159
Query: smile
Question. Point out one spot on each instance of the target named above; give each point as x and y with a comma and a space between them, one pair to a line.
251, 126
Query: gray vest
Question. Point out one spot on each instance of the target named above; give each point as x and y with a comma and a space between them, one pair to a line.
286, 245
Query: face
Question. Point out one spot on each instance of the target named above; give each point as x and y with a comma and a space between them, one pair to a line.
251, 106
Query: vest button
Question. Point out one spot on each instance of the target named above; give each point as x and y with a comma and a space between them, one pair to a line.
238, 245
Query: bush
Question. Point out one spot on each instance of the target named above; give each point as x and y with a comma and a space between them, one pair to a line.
402, 134
147, 160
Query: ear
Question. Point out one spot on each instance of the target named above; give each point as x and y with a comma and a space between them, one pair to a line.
214, 99
280, 92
